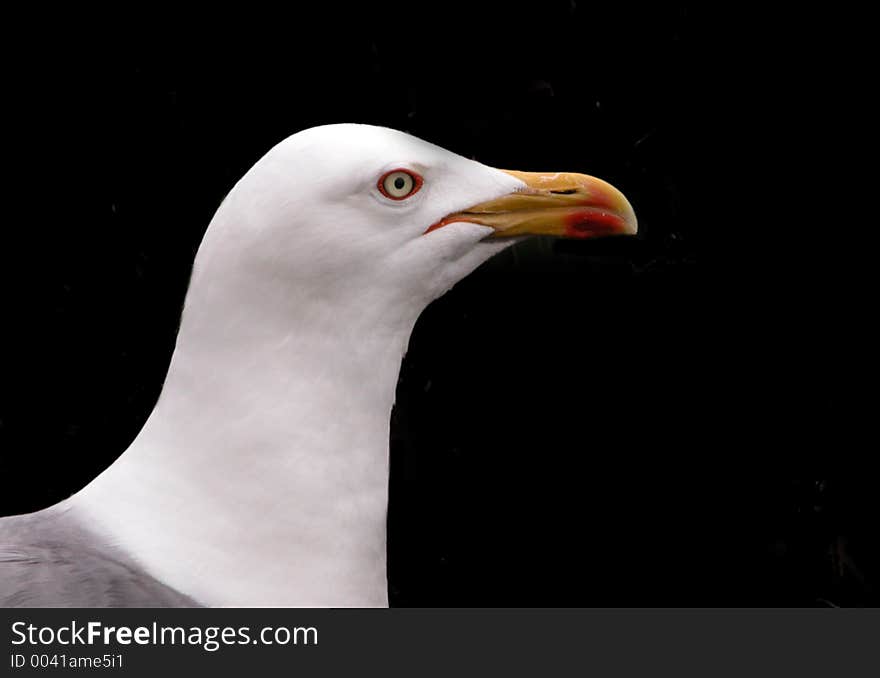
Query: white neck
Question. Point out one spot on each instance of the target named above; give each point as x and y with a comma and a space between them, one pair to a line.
261, 477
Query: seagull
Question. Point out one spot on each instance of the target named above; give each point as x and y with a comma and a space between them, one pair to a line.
261, 476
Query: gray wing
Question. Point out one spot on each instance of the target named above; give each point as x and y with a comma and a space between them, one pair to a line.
50, 559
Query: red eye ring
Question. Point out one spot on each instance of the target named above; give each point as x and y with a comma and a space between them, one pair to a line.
415, 184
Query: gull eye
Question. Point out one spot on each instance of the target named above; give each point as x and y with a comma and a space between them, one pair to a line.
399, 184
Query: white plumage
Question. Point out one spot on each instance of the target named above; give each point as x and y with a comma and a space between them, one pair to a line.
261, 476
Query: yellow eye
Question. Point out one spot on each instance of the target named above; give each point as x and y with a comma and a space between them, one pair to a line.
399, 184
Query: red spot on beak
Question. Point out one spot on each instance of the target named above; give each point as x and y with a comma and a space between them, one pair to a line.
588, 223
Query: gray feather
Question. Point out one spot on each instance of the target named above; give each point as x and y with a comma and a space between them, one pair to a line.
50, 559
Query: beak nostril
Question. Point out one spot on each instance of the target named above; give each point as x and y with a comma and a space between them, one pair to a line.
566, 191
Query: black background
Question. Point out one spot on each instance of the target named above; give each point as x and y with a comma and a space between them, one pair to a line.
592, 423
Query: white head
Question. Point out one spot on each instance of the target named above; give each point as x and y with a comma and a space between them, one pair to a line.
354, 211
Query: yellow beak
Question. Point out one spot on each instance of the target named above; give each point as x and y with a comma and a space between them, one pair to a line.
559, 203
